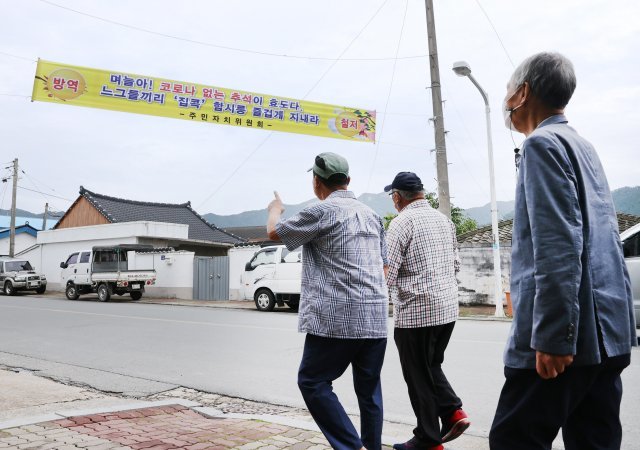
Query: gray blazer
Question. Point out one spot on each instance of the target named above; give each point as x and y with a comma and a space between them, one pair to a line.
569, 281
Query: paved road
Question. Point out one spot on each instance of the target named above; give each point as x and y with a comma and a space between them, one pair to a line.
141, 349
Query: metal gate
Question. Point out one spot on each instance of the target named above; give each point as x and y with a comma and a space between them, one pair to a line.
211, 278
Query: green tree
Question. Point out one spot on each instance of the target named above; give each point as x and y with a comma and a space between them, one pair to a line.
463, 223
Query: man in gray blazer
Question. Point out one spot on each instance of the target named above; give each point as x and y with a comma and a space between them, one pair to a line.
573, 325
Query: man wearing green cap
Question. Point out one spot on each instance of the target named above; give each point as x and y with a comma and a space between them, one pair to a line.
343, 302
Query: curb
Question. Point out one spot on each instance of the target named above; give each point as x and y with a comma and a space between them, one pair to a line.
63, 414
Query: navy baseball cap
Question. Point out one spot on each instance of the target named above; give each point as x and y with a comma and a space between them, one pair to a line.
406, 181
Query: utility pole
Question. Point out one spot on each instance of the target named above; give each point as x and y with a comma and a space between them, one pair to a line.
44, 217
442, 169
12, 231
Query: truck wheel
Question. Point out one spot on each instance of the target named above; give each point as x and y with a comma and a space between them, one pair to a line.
136, 295
265, 301
71, 292
41, 290
103, 293
9, 289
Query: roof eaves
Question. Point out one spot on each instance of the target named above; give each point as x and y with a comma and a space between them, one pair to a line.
212, 226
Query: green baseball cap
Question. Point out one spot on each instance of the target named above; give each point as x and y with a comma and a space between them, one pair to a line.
328, 164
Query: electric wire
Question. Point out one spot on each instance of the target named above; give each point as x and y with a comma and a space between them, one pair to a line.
34, 179
304, 97
496, 32
19, 57
393, 75
33, 190
223, 47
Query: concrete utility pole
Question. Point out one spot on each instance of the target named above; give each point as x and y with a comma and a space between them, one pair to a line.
44, 217
12, 230
442, 169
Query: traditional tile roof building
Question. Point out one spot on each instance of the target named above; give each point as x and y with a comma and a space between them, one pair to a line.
483, 235
256, 235
475, 279
91, 208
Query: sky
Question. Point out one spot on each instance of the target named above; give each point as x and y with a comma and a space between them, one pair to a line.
365, 54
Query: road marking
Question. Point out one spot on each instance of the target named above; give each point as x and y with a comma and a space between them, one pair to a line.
151, 319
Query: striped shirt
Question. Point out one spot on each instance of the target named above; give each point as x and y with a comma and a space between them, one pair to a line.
344, 294
423, 261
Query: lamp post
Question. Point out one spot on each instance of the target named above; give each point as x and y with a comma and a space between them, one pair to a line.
462, 69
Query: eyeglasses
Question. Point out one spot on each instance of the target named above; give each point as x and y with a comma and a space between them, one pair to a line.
393, 191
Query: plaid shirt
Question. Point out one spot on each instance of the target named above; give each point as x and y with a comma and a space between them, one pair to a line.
344, 294
423, 261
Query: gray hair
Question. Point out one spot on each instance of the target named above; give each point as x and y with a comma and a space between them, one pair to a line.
410, 195
550, 76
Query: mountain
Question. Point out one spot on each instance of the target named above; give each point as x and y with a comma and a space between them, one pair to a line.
380, 203
482, 214
627, 200
28, 214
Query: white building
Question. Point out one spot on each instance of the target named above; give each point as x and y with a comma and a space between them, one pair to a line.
25, 238
174, 268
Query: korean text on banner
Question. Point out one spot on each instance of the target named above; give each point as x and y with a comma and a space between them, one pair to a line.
119, 91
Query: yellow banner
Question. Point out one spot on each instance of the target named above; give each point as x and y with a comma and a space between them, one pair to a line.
142, 94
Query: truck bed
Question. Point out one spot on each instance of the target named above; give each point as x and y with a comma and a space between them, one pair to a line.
124, 275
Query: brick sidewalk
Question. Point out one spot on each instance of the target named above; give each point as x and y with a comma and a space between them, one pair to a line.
158, 428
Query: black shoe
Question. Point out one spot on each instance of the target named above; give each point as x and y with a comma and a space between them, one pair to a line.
413, 444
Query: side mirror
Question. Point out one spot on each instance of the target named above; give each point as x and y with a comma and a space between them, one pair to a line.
248, 267
63, 265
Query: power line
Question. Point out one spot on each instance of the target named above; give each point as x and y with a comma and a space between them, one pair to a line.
19, 57
386, 105
231, 175
223, 47
50, 195
496, 32
304, 97
15, 95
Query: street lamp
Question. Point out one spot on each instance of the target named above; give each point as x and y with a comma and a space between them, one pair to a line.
462, 69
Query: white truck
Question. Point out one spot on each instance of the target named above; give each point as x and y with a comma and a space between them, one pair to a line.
104, 270
273, 276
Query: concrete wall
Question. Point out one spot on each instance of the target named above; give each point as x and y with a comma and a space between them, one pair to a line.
238, 258
174, 269
475, 279
54, 246
23, 242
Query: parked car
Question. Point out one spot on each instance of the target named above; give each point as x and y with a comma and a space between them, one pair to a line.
273, 276
18, 275
631, 247
104, 270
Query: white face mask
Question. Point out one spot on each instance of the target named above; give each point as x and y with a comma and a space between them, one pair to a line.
506, 111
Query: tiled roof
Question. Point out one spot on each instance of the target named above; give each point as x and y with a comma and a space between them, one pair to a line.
483, 235
26, 228
626, 221
117, 210
257, 233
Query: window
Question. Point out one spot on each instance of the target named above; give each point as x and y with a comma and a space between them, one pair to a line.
73, 259
293, 256
16, 266
84, 257
266, 257
631, 246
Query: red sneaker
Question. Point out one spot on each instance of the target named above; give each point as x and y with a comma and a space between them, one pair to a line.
454, 426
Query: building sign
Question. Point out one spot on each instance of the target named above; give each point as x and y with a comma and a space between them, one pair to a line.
142, 94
